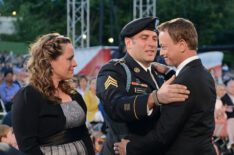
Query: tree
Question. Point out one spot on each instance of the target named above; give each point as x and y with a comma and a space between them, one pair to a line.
212, 18
37, 17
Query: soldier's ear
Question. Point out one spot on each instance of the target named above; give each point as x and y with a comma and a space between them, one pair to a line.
127, 42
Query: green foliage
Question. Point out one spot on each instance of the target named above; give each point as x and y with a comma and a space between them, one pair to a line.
37, 17
212, 18
120, 14
17, 47
228, 58
12, 37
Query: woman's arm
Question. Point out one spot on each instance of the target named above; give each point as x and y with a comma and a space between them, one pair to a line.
25, 118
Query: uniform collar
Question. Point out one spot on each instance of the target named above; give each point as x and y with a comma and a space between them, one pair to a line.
140, 72
145, 68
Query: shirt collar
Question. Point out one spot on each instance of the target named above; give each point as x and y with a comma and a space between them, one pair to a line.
145, 68
184, 63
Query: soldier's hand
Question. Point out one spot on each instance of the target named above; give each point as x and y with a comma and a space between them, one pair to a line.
172, 92
160, 67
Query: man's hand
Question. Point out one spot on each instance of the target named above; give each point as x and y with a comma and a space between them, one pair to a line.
160, 67
120, 148
12, 97
172, 92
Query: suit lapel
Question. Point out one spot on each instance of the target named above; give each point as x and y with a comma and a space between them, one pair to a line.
139, 72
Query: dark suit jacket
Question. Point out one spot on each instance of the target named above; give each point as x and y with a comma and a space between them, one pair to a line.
35, 118
227, 100
129, 109
184, 128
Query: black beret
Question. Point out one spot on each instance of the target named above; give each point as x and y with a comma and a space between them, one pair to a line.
137, 25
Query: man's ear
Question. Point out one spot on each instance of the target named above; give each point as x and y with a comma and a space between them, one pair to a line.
183, 45
127, 42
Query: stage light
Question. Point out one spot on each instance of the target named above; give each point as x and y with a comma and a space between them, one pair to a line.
111, 40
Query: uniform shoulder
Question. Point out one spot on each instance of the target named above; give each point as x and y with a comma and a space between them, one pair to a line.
115, 62
113, 65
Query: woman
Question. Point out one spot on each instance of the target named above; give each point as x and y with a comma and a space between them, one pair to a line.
82, 84
49, 115
92, 101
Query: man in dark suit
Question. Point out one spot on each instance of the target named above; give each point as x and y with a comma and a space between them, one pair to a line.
228, 100
184, 128
127, 88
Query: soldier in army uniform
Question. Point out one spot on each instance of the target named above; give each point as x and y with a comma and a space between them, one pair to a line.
132, 108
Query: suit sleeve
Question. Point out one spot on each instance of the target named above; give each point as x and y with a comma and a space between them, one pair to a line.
25, 115
111, 90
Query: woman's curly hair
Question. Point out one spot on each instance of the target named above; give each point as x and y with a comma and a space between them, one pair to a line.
46, 48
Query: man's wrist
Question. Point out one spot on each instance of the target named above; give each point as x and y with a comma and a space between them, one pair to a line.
150, 102
156, 101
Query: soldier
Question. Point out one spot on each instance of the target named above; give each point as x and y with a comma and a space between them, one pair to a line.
129, 89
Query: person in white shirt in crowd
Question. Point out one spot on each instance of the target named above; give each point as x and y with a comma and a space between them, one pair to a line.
82, 84
228, 100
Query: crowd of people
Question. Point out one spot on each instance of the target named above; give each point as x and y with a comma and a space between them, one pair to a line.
133, 101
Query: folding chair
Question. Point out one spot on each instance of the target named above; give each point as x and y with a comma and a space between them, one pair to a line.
3, 112
220, 135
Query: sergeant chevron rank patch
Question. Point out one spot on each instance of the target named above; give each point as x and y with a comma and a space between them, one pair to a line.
110, 81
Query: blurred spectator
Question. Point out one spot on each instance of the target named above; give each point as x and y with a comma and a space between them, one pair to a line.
20, 78
1, 78
228, 76
225, 68
6, 149
221, 90
7, 68
228, 100
75, 81
7, 119
220, 116
7, 136
2, 58
82, 84
91, 100
8, 90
